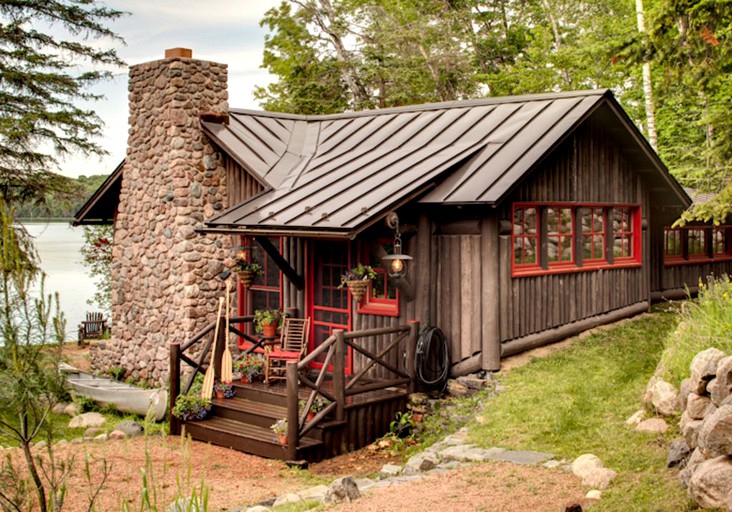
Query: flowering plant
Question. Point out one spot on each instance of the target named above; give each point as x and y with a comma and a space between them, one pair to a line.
225, 387
239, 263
191, 407
279, 426
360, 272
249, 365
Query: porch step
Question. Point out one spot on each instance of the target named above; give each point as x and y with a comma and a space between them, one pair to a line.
261, 393
248, 438
246, 410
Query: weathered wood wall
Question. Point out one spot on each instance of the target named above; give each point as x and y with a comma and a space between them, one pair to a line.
587, 168
240, 184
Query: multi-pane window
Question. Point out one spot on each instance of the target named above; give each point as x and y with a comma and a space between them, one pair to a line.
566, 237
560, 235
593, 234
719, 241
696, 242
672, 243
382, 297
526, 236
265, 292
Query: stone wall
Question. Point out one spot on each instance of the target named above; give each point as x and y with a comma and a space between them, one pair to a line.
166, 276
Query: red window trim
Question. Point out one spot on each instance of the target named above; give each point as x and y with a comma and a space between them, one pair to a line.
525, 267
696, 259
245, 296
369, 305
591, 235
559, 236
632, 261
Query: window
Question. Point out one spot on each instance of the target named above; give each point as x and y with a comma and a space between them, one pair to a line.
526, 237
561, 237
696, 243
382, 296
672, 243
265, 292
719, 242
593, 234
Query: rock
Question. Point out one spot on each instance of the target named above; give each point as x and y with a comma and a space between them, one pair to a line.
86, 420
715, 435
552, 464
711, 482
684, 390
521, 457
117, 435
287, 498
664, 398
418, 398
423, 461
92, 432
317, 492
696, 458
474, 382
60, 408
712, 389
572, 507
594, 494
72, 410
696, 406
678, 453
343, 490
636, 418
652, 425
585, 463
131, 428
690, 429
101, 438
724, 381
454, 388
469, 453
599, 478
704, 368
390, 470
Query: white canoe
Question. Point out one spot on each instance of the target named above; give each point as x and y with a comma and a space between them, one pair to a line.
122, 396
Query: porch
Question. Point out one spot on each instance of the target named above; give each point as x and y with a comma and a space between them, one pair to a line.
360, 404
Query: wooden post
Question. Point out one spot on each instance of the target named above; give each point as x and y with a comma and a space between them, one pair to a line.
411, 350
339, 374
219, 347
292, 406
174, 385
490, 292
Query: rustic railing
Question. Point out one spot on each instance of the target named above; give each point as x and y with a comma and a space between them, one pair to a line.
199, 363
334, 349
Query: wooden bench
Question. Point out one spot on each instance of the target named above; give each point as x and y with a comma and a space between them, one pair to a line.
93, 328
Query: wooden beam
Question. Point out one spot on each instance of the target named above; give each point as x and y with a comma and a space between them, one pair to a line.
295, 278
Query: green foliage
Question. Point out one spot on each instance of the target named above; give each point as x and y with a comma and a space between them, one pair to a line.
705, 323
191, 407
360, 272
97, 254
266, 316
249, 365
62, 204
279, 426
402, 426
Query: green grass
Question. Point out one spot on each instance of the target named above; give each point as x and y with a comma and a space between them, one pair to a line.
576, 401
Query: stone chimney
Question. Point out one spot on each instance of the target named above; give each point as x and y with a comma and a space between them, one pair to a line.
165, 275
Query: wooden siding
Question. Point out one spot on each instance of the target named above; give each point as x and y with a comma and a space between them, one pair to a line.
240, 185
587, 168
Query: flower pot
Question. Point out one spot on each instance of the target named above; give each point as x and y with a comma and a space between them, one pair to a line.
357, 288
282, 438
246, 278
269, 330
311, 415
219, 394
245, 379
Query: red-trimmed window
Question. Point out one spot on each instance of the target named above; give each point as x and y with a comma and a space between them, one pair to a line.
266, 291
696, 243
622, 222
525, 237
593, 235
720, 245
672, 243
382, 296
560, 236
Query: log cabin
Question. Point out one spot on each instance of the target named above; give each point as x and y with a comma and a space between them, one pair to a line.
528, 219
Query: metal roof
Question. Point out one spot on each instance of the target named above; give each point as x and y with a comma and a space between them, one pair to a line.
102, 205
338, 174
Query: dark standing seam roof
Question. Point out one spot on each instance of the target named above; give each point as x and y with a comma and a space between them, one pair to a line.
338, 174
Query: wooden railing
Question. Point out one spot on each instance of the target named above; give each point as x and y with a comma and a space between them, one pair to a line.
199, 363
334, 348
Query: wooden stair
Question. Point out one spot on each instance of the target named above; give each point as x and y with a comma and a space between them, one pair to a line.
242, 423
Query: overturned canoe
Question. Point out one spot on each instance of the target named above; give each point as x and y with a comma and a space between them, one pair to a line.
122, 396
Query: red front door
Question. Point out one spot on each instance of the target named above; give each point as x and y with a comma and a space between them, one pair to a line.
328, 306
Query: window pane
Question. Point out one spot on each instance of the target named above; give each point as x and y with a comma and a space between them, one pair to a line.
599, 246
530, 221
518, 221
697, 246
559, 235
565, 220
719, 240
598, 220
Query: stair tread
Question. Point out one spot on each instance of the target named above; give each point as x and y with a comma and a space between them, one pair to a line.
247, 430
251, 406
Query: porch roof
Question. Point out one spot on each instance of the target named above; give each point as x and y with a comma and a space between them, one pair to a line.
336, 175
101, 207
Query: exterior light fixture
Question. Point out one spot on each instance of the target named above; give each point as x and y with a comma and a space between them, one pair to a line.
397, 263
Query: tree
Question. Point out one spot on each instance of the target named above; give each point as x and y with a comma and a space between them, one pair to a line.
41, 86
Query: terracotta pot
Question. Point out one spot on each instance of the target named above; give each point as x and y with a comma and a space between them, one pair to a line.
282, 438
244, 379
311, 415
357, 288
246, 278
219, 394
269, 330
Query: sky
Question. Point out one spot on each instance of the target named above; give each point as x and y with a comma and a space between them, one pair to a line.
225, 31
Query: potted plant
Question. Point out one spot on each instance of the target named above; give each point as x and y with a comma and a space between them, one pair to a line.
245, 270
191, 407
249, 366
318, 405
279, 427
224, 389
357, 280
267, 321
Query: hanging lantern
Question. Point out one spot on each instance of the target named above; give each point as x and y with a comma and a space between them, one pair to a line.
397, 263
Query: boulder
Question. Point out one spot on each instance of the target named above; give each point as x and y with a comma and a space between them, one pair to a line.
715, 435
585, 463
343, 490
704, 368
86, 420
599, 478
473, 381
423, 461
131, 428
92, 432
72, 410
712, 390
594, 494
696, 406
664, 398
711, 482
684, 391
678, 453
696, 458
690, 429
117, 435
724, 381
653, 426
60, 408
390, 470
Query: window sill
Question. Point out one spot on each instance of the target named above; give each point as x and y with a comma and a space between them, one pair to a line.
374, 308
589, 267
695, 261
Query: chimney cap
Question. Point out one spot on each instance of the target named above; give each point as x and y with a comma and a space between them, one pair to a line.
185, 53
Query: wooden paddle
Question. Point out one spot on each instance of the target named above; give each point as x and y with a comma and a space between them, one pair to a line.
226, 357
208, 378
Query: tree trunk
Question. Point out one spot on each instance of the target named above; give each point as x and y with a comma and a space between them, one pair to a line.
25, 443
647, 83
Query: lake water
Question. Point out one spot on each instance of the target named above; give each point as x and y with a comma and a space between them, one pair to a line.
58, 245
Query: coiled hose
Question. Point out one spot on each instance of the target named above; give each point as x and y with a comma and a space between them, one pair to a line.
432, 359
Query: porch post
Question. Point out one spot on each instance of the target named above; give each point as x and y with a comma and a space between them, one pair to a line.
411, 350
220, 342
293, 427
339, 375
174, 386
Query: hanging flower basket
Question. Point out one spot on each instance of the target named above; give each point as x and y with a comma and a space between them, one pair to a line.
357, 288
246, 278
357, 280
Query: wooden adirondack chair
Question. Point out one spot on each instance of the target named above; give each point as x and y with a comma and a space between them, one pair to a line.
94, 327
293, 344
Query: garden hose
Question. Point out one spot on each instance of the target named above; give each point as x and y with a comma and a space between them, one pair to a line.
432, 360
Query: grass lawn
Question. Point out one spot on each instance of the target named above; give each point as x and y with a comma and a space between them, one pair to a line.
577, 400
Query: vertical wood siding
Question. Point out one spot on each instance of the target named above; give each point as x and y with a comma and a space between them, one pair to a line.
240, 184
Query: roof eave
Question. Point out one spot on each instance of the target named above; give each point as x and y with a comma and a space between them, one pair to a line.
79, 216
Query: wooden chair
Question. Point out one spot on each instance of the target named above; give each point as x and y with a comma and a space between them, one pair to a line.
293, 344
94, 327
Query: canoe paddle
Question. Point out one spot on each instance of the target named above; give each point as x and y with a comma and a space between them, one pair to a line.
208, 378
226, 357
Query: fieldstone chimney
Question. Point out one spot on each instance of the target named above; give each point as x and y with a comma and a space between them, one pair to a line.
165, 275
